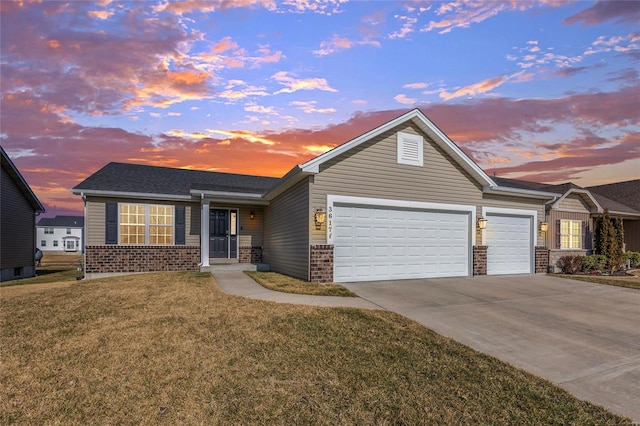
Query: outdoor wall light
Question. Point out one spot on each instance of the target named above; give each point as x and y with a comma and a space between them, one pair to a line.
482, 223
544, 226
320, 217
252, 215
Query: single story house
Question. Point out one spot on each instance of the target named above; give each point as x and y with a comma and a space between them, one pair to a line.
400, 201
571, 216
60, 234
19, 207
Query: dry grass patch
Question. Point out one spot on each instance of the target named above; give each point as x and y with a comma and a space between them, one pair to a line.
279, 282
632, 281
54, 268
171, 348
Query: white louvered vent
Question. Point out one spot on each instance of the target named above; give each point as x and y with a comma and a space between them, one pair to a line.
410, 149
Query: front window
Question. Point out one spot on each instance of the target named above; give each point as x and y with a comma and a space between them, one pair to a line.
68, 231
55, 243
570, 234
43, 243
48, 230
146, 224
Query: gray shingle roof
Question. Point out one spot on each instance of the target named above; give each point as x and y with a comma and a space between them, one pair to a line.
627, 193
136, 178
62, 221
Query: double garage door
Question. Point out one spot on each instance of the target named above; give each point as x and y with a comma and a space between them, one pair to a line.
374, 243
377, 243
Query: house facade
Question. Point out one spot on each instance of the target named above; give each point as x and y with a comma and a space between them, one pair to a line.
19, 207
400, 201
60, 234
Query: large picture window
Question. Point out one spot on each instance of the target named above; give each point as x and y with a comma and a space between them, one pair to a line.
146, 224
570, 234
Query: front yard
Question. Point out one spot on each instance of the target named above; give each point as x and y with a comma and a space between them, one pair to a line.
171, 348
629, 281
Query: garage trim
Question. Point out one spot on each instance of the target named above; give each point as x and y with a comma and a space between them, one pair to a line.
416, 205
533, 214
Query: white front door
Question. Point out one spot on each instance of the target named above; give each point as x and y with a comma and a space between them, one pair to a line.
378, 243
509, 242
70, 245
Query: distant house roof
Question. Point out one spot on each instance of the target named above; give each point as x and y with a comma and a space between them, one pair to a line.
518, 184
62, 222
626, 193
141, 179
20, 182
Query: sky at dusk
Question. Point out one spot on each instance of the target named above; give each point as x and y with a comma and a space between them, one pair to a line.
546, 91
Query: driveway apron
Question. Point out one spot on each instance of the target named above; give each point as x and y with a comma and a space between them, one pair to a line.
583, 337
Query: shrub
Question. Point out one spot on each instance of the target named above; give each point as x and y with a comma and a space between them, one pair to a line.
594, 262
634, 258
570, 264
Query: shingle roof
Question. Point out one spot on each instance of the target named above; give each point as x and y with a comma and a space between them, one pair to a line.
62, 221
613, 205
136, 178
20, 182
626, 193
518, 184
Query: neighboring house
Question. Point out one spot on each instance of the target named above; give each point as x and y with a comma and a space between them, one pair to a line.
62, 234
19, 207
571, 215
400, 201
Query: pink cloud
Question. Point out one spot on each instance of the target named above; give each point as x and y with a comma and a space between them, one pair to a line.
616, 10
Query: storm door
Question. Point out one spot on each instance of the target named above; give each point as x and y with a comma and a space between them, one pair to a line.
223, 230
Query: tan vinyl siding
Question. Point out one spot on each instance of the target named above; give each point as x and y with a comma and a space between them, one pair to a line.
573, 202
17, 229
95, 218
251, 230
371, 170
286, 232
632, 234
555, 215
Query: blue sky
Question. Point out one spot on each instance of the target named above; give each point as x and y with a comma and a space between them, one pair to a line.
546, 91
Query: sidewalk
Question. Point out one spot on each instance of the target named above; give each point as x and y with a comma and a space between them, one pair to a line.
239, 284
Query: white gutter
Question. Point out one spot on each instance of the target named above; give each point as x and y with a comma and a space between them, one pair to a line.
526, 193
143, 195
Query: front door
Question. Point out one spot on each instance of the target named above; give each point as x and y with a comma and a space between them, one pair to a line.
219, 233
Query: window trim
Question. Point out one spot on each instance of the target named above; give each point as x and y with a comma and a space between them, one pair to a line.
571, 235
147, 224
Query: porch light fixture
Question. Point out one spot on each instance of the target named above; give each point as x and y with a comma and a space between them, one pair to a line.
320, 216
252, 215
482, 223
544, 226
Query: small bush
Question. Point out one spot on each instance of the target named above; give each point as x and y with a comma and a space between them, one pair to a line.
594, 262
570, 264
634, 258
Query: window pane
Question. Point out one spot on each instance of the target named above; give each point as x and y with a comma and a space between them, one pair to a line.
564, 241
575, 227
575, 241
233, 223
160, 225
564, 227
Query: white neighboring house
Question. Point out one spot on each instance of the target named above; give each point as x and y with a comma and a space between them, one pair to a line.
61, 234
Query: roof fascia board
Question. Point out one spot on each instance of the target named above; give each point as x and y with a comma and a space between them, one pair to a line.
313, 165
224, 194
118, 194
526, 193
599, 208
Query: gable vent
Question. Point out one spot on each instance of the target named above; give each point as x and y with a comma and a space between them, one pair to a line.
410, 149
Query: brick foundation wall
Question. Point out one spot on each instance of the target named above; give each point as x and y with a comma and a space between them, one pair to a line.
321, 263
248, 254
123, 259
541, 260
479, 260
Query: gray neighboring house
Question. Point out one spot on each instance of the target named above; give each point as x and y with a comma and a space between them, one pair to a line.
401, 201
60, 234
19, 207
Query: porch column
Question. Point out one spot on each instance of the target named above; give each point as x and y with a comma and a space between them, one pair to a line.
204, 233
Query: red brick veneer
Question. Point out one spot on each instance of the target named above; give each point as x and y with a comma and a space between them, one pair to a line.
542, 260
122, 259
480, 260
248, 254
321, 263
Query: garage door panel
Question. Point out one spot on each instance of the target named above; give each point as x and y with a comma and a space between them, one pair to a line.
399, 244
509, 244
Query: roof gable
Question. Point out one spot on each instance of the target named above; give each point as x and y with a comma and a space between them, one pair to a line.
586, 197
430, 129
20, 182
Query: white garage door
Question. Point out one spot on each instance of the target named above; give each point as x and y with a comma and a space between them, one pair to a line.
509, 244
376, 243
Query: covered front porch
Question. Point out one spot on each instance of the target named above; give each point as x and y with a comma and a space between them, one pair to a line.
231, 230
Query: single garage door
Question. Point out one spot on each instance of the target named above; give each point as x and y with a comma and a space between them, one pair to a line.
376, 243
509, 244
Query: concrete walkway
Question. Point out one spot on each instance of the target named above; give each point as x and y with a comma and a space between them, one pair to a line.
239, 284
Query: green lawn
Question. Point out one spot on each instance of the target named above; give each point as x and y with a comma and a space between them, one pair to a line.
171, 348
279, 282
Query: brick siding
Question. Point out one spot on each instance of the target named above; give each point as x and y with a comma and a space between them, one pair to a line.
321, 263
480, 260
541, 260
124, 259
248, 254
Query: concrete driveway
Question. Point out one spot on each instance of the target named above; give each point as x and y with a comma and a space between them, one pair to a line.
584, 337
